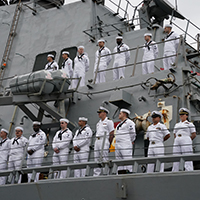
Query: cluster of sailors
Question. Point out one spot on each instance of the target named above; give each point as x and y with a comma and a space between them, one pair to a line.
121, 57
12, 151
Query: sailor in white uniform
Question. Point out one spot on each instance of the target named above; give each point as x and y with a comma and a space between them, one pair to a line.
105, 126
52, 64
157, 133
35, 148
103, 63
170, 47
4, 153
125, 136
184, 133
150, 53
81, 66
67, 64
121, 58
18, 144
81, 143
60, 146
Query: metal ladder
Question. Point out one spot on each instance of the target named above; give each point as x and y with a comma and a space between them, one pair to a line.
10, 39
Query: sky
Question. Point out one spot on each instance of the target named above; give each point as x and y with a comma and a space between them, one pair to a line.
188, 8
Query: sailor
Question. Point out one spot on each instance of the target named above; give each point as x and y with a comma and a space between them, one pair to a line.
103, 62
170, 47
150, 53
105, 126
4, 153
81, 66
67, 64
157, 133
35, 148
18, 144
81, 143
125, 136
52, 64
60, 146
120, 59
184, 133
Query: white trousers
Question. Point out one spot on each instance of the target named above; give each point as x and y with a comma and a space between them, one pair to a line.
155, 150
35, 160
148, 67
80, 157
78, 74
119, 72
3, 167
97, 153
182, 145
60, 159
124, 151
15, 164
101, 76
168, 62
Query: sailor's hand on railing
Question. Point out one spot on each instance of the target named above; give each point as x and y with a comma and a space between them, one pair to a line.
77, 149
56, 150
30, 152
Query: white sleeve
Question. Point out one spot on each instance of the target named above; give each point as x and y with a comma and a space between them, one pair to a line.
147, 133
110, 126
127, 53
46, 66
155, 49
175, 129
132, 131
192, 128
165, 130
176, 42
54, 143
70, 68
87, 63
55, 66
109, 57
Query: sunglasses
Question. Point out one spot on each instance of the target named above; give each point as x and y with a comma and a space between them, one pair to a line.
62, 122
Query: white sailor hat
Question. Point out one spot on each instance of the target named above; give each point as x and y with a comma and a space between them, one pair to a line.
65, 52
156, 113
102, 109
4, 130
20, 128
81, 47
101, 40
64, 120
119, 37
148, 34
125, 111
168, 25
184, 111
83, 119
50, 55
36, 123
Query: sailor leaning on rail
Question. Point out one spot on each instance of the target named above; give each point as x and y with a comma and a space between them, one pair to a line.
105, 127
150, 53
81, 143
60, 146
125, 137
52, 64
104, 61
18, 144
67, 64
184, 133
35, 148
157, 133
4, 153
170, 47
81, 66
120, 59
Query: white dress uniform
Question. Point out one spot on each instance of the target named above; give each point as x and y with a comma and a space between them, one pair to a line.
120, 59
61, 141
150, 52
4, 153
104, 62
170, 48
183, 143
102, 127
156, 134
52, 66
36, 143
82, 140
67, 67
125, 135
81, 66
16, 153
